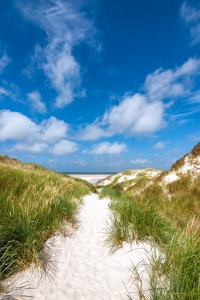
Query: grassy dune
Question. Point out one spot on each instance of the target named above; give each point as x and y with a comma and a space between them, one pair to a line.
127, 179
34, 204
167, 215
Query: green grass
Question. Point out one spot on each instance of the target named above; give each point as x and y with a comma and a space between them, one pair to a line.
34, 203
173, 274
170, 219
134, 221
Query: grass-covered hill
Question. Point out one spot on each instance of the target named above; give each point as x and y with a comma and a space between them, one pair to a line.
129, 178
166, 211
34, 202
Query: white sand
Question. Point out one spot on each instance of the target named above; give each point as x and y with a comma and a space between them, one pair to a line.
171, 177
190, 166
86, 270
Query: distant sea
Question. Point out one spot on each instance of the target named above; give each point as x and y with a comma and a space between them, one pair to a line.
92, 177
89, 173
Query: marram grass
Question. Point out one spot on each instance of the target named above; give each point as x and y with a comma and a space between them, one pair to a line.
33, 204
171, 223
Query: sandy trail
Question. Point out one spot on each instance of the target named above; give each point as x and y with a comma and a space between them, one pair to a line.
86, 270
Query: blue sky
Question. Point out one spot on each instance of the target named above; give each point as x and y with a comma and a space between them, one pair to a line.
96, 85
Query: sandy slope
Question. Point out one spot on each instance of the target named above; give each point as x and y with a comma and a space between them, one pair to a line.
85, 268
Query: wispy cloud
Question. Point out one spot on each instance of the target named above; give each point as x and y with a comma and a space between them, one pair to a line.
66, 26
145, 113
36, 103
139, 161
191, 15
3, 92
108, 148
159, 146
4, 60
165, 84
194, 98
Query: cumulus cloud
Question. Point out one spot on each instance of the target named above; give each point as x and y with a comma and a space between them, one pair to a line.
191, 15
134, 115
93, 132
159, 146
16, 126
36, 103
49, 136
139, 161
108, 148
145, 113
53, 129
64, 147
61, 148
65, 25
34, 148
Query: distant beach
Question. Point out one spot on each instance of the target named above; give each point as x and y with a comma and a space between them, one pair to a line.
90, 177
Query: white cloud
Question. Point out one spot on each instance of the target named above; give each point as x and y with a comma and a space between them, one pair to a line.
165, 84
195, 33
144, 114
108, 148
92, 132
53, 129
191, 15
64, 147
134, 115
139, 161
65, 25
45, 137
4, 61
36, 103
16, 126
35, 148
4, 92
159, 145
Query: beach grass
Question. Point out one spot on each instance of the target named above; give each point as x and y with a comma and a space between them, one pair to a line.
167, 217
34, 203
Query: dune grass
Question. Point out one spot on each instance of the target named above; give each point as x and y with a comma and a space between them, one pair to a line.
135, 221
178, 202
34, 203
168, 217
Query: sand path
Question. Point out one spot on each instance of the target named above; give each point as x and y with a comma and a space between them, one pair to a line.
86, 270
